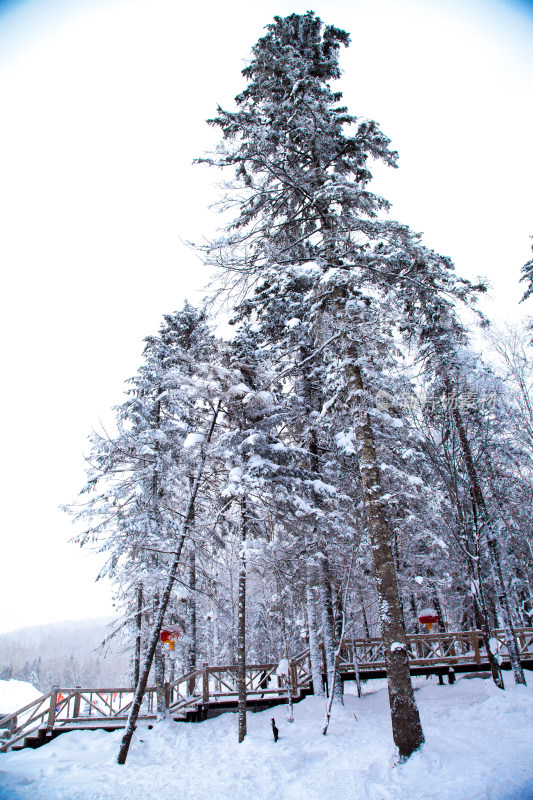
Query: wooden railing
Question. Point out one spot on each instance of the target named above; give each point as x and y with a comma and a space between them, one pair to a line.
29, 719
65, 707
425, 649
217, 685
85, 708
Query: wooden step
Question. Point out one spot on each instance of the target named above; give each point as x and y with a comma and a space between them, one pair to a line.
34, 741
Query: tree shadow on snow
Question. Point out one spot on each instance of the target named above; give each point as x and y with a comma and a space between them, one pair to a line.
524, 793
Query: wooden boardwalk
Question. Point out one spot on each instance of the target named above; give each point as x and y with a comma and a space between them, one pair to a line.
212, 690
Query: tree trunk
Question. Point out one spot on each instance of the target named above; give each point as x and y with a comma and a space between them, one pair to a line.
356, 668
286, 655
481, 614
365, 619
406, 726
191, 604
159, 672
337, 657
152, 644
159, 675
492, 544
482, 622
329, 704
438, 608
486, 521
414, 614
171, 670
138, 635
326, 613
314, 652
312, 404
214, 617
338, 628
156, 628
241, 628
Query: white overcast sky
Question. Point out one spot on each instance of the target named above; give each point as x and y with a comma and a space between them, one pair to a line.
103, 105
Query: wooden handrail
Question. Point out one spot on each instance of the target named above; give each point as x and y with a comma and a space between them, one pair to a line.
48, 711
25, 708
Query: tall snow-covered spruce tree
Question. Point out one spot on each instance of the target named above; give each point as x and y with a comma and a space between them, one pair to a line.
301, 190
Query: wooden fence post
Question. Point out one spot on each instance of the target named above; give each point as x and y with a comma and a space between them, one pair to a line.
356, 668
475, 645
77, 699
294, 679
452, 646
53, 704
167, 696
205, 683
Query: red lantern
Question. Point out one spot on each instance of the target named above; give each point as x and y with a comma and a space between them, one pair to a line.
170, 635
429, 617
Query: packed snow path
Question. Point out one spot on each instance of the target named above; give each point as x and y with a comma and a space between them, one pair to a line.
479, 746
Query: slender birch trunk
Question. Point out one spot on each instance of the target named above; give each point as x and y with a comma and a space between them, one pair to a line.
338, 628
314, 652
285, 654
326, 613
241, 628
329, 704
290, 692
338, 650
156, 627
150, 652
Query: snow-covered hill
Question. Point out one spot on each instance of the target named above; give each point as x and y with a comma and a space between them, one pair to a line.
15, 695
67, 653
479, 746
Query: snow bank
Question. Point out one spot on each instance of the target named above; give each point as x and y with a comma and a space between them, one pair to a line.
15, 695
479, 746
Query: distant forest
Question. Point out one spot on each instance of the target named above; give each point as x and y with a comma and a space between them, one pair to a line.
66, 653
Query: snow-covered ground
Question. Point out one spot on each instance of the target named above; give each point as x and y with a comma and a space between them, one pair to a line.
479, 746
